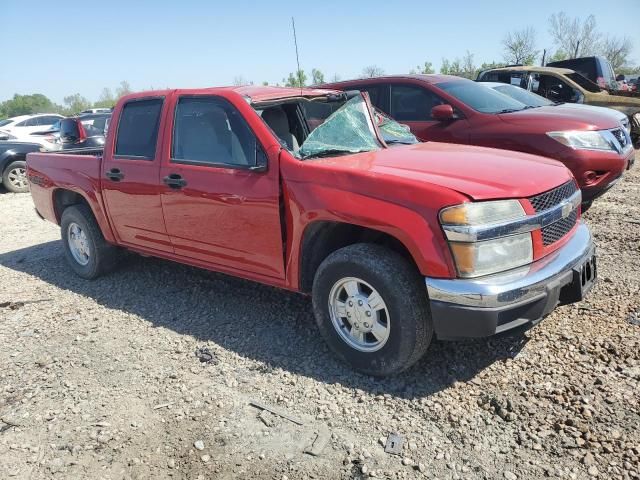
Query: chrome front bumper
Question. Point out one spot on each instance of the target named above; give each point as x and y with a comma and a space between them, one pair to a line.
495, 303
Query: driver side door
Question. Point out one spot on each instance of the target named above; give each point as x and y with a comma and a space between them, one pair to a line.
411, 105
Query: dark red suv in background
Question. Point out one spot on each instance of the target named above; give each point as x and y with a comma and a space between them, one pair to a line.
445, 108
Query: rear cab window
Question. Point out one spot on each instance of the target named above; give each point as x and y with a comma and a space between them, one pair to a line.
138, 129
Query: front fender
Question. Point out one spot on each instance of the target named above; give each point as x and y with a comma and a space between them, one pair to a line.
419, 232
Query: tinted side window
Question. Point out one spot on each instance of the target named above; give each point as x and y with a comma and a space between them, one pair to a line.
209, 130
411, 103
138, 128
48, 120
31, 122
377, 95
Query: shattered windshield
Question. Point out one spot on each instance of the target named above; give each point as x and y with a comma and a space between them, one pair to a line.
348, 130
394, 132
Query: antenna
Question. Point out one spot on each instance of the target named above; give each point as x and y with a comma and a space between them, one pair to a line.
295, 41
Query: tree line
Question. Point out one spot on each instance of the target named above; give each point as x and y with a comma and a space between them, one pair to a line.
571, 37
39, 103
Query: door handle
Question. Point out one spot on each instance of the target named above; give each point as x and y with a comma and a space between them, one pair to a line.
115, 175
174, 180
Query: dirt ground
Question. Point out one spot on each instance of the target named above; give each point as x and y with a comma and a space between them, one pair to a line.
100, 380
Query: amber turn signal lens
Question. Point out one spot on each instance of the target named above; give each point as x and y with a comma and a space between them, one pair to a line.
464, 254
454, 215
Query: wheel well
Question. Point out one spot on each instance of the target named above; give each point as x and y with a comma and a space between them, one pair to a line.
323, 238
9, 160
65, 198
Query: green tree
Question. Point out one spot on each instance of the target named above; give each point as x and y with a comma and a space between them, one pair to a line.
558, 56
629, 70
460, 67
427, 68
76, 103
26, 105
299, 79
317, 77
106, 100
123, 89
489, 66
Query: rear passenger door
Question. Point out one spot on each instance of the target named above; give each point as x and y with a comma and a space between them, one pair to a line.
131, 176
220, 201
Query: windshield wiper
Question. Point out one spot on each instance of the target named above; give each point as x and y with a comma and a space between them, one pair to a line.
331, 153
511, 110
404, 142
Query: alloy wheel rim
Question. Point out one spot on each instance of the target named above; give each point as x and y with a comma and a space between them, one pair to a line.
359, 314
18, 177
78, 244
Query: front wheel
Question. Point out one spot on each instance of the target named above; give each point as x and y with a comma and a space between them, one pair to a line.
371, 307
14, 177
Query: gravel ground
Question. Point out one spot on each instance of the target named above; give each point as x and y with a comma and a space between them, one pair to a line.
100, 379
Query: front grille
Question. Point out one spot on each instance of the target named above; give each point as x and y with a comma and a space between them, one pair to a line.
554, 232
553, 197
621, 137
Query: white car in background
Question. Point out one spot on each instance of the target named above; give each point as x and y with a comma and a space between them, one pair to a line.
24, 125
535, 100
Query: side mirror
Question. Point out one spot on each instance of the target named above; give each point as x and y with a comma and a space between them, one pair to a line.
443, 112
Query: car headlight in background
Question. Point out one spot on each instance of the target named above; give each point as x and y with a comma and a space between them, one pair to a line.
477, 258
583, 139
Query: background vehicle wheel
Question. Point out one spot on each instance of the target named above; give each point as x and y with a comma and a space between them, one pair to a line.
371, 308
586, 205
87, 252
14, 177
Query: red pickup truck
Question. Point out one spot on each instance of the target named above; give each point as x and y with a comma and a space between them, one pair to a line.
310, 190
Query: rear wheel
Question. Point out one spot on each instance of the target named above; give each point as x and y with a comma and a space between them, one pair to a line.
14, 177
371, 308
86, 250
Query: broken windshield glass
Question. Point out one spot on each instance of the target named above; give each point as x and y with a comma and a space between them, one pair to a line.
348, 130
394, 132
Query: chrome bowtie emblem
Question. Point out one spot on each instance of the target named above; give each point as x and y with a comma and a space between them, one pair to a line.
567, 207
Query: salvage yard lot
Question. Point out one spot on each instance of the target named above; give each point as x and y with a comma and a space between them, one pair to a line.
100, 379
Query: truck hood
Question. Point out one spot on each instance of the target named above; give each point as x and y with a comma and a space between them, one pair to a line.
555, 118
477, 172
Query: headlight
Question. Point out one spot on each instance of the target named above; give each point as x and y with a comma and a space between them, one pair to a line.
474, 259
583, 139
491, 256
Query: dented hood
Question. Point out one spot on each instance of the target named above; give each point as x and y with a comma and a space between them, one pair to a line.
477, 172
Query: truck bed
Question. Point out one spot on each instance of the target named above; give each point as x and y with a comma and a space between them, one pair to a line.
78, 172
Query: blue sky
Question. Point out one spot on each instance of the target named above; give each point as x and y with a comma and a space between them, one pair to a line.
69, 47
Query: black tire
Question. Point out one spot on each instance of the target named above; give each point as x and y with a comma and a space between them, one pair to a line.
586, 205
9, 173
402, 289
102, 256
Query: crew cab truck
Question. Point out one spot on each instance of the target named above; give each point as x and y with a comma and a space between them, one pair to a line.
311, 191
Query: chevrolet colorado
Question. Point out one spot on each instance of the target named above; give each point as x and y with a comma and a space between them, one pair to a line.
312, 191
